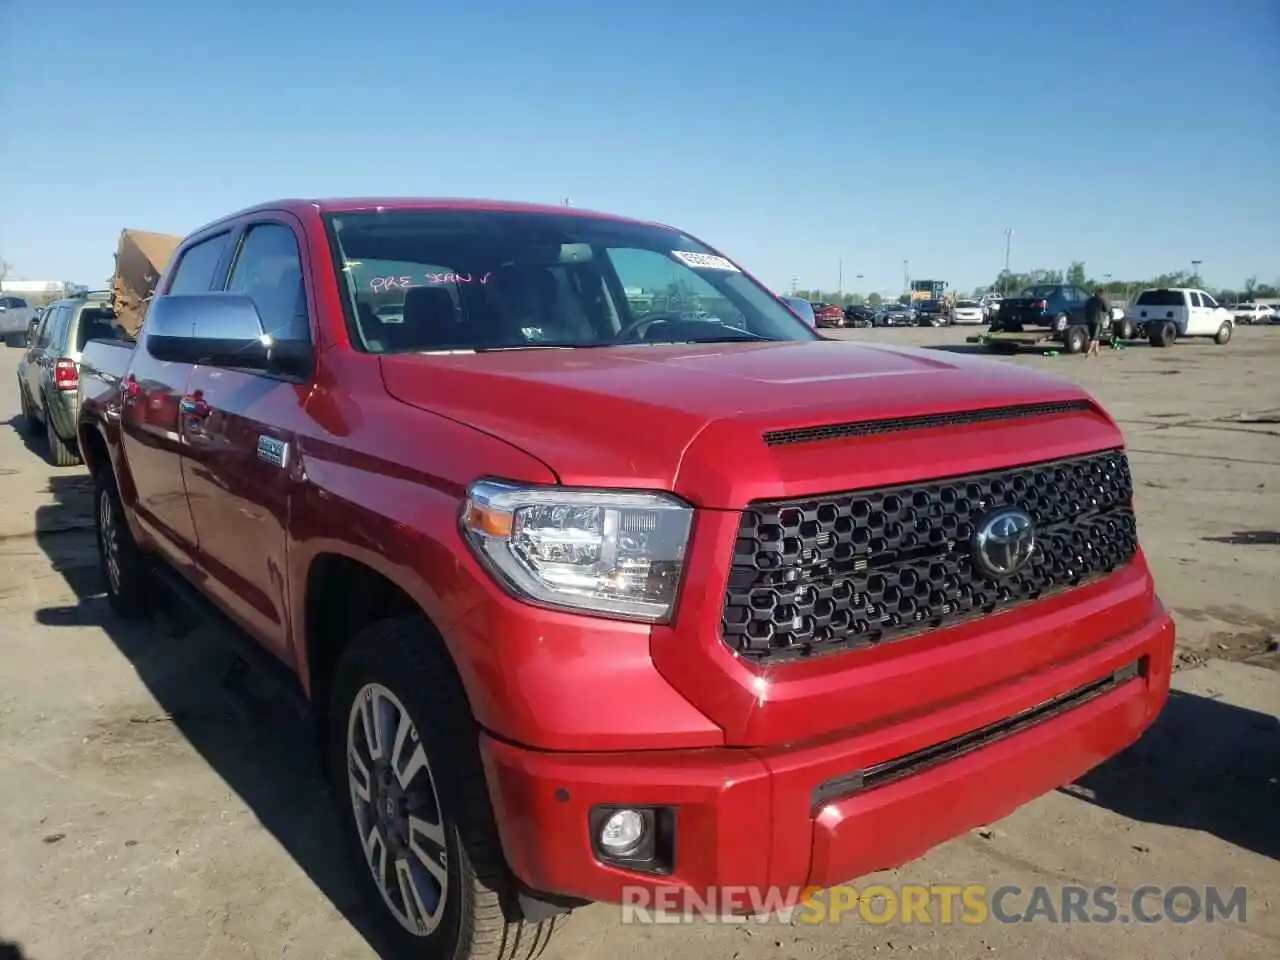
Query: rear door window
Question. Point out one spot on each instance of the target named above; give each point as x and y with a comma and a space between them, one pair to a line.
60, 331
199, 263
48, 328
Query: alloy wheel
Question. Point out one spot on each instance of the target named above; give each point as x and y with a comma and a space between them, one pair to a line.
110, 535
397, 809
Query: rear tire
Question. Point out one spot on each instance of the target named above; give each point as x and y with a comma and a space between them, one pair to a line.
123, 564
1075, 339
28, 425
1163, 335
61, 453
1223, 335
438, 822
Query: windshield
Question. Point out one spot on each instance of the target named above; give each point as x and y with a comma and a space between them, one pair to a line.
966, 303
424, 280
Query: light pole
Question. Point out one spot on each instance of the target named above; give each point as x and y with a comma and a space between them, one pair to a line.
906, 279
1195, 270
1008, 244
840, 280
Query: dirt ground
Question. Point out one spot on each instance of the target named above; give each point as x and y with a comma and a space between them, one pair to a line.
149, 808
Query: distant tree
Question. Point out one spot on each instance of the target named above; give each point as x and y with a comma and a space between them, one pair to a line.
5, 267
1076, 274
874, 300
1250, 285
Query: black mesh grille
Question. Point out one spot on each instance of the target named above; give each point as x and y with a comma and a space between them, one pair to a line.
847, 570
868, 428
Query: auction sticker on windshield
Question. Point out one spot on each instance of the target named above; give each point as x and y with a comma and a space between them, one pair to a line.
703, 261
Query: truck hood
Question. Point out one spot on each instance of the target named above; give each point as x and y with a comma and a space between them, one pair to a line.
674, 417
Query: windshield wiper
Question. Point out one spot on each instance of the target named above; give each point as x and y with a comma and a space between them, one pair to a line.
742, 336
549, 345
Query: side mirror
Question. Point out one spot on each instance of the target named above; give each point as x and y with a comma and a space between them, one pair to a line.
218, 330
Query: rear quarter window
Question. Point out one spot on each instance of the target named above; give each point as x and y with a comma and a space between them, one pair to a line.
95, 324
1161, 298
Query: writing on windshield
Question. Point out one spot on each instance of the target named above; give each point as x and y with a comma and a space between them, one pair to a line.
382, 284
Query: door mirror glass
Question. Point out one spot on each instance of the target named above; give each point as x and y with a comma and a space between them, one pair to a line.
214, 329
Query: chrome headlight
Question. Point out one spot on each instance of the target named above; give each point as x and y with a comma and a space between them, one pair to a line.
611, 553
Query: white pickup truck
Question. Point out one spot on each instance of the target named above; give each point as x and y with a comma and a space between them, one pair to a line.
15, 316
1166, 314
1253, 313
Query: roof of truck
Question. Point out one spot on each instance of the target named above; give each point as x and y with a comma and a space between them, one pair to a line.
298, 205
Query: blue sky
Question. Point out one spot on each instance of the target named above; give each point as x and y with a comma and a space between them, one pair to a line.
1136, 135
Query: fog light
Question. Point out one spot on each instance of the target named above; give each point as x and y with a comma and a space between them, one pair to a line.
622, 833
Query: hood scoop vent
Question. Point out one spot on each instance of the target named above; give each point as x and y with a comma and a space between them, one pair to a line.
869, 428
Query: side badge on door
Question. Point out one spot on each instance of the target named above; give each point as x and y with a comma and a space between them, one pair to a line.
275, 452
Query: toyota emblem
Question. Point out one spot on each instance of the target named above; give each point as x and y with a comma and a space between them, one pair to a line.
1004, 542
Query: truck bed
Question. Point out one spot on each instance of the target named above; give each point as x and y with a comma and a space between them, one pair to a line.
103, 364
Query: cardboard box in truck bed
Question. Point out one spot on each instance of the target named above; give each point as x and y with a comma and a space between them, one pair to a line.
140, 260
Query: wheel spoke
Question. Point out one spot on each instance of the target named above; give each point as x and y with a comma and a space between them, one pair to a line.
384, 715
430, 857
375, 854
416, 764
415, 910
359, 777
371, 741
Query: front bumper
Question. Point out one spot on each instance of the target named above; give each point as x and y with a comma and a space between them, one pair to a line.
800, 815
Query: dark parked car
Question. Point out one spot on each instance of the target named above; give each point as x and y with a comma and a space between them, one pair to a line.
932, 313
858, 315
897, 315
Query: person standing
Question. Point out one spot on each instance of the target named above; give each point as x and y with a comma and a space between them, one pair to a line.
1096, 312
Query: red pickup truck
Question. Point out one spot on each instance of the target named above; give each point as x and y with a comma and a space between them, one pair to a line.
601, 571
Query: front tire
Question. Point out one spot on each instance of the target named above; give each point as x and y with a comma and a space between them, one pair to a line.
417, 820
123, 564
1223, 336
